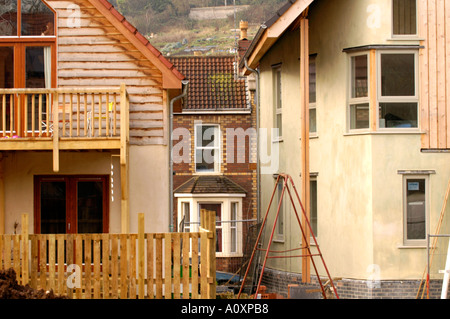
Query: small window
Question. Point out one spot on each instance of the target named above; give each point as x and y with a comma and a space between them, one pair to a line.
404, 17
313, 205
312, 96
415, 209
8, 21
186, 220
233, 227
278, 101
207, 148
280, 221
359, 95
398, 98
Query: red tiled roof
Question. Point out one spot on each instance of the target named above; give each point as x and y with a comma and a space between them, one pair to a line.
141, 38
212, 83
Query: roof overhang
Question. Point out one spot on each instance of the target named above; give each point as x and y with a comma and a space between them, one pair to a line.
171, 77
271, 31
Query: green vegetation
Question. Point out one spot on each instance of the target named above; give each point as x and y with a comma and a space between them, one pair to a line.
167, 22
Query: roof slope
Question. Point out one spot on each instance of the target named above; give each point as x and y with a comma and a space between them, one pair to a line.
212, 83
173, 76
210, 185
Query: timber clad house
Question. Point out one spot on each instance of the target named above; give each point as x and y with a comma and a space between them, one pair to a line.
83, 119
218, 171
359, 93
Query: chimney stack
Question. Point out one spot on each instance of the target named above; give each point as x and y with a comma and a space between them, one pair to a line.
243, 25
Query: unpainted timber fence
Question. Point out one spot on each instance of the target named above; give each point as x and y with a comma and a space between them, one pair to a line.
116, 266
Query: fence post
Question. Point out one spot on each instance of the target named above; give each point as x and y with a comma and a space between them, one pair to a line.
141, 255
208, 222
25, 250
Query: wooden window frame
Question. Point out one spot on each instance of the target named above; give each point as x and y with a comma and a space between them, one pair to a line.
71, 208
277, 101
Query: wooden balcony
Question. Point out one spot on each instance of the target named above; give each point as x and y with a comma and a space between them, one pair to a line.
64, 119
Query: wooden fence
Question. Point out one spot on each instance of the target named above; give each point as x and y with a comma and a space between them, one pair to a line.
109, 266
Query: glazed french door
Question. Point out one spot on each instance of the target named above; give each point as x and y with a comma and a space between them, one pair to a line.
71, 204
26, 64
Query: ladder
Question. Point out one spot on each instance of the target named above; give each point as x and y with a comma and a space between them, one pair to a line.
287, 180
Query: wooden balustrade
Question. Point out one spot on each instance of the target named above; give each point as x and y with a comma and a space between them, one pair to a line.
77, 113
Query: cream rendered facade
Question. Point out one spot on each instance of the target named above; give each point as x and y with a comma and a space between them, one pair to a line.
360, 174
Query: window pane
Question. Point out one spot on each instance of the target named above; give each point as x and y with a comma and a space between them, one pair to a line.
233, 226
416, 212
398, 115
313, 208
312, 81
6, 81
312, 121
398, 75
359, 76
90, 207
280, 222
8, 17
280, 124
359, 116
205, 160
37, 18
186, 217
53, 207
404, 17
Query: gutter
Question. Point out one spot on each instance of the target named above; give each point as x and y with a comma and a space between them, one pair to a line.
258, 188
185, 84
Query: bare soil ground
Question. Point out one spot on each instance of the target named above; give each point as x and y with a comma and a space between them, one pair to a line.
10, 289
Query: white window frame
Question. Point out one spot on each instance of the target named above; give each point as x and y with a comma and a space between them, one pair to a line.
415, 242
404, 36
216, 147
359, 100
277, 100
226, 201
398, 99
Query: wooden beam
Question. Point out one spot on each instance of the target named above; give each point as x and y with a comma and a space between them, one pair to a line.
2, 197
55, 134
304, 113
373, 101
124, 169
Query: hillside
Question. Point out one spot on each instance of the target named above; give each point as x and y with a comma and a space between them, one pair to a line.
174, 29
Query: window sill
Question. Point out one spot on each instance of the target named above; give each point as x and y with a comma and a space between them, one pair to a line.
207, 173
405, 38
277, 140
385, 132
412, 247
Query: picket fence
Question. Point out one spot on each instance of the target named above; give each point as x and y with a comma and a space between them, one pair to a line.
116, 266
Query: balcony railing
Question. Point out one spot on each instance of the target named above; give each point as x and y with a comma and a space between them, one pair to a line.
64, 112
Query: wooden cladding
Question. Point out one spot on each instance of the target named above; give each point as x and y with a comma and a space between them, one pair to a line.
434, 65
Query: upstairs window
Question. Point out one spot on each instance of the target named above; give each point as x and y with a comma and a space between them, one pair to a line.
404, 17
359, 95
207, 148
26, 18
278, 101
398, 93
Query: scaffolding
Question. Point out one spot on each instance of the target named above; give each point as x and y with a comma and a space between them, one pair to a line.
287, 180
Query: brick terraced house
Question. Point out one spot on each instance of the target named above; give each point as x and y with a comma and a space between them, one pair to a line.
214, 166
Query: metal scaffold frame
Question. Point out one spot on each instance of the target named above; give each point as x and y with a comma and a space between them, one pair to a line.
286, 181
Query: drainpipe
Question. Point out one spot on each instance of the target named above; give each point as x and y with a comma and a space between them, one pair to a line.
185, 84
258, 188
